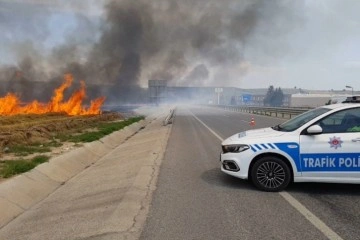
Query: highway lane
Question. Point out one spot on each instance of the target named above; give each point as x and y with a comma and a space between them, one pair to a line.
337, 205
195, 200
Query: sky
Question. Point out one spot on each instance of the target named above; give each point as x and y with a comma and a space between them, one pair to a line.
305, 44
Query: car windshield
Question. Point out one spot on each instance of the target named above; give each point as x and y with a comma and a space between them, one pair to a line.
300, 120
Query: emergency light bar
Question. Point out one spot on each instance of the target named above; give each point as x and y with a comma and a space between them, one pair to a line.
353, 99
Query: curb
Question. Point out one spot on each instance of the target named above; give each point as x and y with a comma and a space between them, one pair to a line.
23, 191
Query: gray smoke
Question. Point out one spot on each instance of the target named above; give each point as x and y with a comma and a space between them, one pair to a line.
197, 76
120, 44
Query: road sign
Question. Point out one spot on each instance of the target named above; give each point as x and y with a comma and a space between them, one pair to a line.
246, 98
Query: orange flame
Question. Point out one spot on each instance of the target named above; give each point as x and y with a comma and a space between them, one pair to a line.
10, 104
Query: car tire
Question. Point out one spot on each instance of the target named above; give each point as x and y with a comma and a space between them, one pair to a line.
270, 174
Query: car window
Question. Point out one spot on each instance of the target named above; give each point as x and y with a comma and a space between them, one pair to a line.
343, 121
300, 120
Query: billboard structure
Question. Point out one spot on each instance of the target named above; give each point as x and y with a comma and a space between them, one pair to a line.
158, 91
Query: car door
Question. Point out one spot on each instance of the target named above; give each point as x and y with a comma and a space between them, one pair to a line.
333, 155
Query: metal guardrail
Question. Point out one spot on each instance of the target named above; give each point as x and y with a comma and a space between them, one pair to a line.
267, 111
169, 117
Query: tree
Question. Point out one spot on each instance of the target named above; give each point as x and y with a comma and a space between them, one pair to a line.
274, 97
268, 96
278, 98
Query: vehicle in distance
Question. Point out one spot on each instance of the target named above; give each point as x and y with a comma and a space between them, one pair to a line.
320, 145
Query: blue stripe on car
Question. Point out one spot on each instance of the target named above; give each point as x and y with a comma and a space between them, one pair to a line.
292, 149
258, 147
266, 147
253, 149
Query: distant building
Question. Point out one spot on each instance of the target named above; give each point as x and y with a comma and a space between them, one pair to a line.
315, 100
160, 92
309, 100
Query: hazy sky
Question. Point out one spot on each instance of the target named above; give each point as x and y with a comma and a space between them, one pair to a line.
309, 44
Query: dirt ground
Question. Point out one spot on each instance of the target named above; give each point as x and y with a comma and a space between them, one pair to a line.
31, 129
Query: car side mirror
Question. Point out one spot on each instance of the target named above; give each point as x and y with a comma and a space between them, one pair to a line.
314, 129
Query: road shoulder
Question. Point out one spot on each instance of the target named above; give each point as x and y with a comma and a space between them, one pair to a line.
124, 179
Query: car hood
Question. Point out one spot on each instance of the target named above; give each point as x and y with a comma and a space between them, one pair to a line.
251, 135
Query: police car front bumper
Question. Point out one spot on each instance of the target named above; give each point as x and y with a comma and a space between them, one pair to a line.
230, 165
235, 164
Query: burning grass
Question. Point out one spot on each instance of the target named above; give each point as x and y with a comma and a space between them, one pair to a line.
11, 103
39, 128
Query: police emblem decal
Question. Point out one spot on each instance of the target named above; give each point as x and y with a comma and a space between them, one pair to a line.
335, 142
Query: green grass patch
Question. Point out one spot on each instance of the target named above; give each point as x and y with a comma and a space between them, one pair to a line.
22, 150
103, 129
52, 144
25, 150
9, 168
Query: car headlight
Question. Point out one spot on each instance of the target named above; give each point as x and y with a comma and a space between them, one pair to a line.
235, 148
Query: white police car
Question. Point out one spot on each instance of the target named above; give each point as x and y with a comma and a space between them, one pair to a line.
321, 145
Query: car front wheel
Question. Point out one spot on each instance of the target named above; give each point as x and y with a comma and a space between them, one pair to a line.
270, 174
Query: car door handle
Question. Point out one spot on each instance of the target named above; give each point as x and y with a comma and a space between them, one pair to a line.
356, 140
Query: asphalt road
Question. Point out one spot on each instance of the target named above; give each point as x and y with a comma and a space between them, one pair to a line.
195, 200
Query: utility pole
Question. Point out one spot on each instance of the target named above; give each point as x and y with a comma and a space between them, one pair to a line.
218, 91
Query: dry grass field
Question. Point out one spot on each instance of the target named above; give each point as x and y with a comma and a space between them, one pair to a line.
31, 133
29, 140
32, 129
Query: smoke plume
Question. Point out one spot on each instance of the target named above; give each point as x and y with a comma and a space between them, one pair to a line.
121, 44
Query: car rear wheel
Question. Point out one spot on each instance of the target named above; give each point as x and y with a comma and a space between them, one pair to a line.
270, 174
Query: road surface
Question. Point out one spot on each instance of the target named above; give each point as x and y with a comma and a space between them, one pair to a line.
195, 200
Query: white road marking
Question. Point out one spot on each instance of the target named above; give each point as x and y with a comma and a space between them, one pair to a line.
212, 131
314, 220
328, 232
